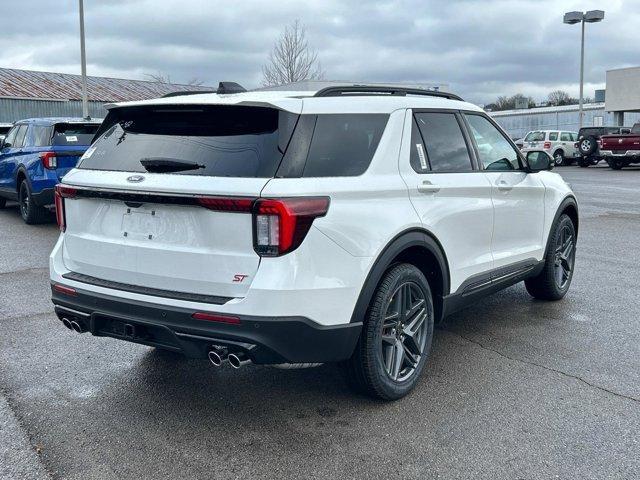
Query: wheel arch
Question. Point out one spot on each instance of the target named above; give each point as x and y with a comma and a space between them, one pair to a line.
418, 247
568, 206
21, 174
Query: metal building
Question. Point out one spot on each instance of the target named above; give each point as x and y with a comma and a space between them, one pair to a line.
518, 122
27, 94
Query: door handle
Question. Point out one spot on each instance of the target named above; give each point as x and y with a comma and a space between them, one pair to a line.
504, 186
428, 187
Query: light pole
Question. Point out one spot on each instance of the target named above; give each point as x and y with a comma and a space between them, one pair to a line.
83, 62
572, 18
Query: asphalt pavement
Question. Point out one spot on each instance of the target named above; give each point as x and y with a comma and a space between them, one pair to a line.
515, 388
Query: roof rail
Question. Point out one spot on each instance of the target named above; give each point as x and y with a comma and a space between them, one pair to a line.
186, 92
382, 90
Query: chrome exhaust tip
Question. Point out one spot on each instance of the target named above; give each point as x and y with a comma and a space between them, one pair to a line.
238, 360
67, 323
77, 326
216, 357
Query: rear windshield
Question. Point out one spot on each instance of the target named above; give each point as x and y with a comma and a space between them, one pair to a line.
534, 137
74, 133
212, 141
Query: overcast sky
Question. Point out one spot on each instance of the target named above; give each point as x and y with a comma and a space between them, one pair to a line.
481, 48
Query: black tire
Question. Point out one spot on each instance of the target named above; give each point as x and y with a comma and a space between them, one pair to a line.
583, 162
32, 214
558, 158
615, 164
372, 369
552, 283
587, 145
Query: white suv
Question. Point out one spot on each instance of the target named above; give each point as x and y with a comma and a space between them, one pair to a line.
559, 144
291, 227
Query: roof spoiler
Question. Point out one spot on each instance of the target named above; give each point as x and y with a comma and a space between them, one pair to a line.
186, 92
382, 90
230, 87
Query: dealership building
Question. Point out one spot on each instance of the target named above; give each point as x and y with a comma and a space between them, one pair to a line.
28, 94
620, 106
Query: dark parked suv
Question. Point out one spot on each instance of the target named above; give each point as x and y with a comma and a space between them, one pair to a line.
588, 143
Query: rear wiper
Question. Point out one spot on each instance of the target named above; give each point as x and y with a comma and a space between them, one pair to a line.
166, 165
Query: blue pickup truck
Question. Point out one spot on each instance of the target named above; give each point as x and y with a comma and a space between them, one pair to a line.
34, 156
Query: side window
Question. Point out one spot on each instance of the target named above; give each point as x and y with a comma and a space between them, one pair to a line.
446, 148
343, 144
566, 137
11, 137
22, 132
494, 150
41, 136
418, 159
553, 136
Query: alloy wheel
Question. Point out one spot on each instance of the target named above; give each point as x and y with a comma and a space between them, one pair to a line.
564, 257
404, 331
558, 158
24, 201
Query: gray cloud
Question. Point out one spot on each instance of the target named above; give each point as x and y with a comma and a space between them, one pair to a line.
481, 48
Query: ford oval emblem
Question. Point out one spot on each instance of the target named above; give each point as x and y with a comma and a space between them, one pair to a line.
135, 178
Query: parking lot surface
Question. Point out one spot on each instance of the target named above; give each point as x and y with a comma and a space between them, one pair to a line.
515, 388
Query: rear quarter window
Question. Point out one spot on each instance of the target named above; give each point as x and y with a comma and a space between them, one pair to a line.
343, 144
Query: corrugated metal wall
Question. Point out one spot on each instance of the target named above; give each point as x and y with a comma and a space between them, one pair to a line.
12, 110
517, 125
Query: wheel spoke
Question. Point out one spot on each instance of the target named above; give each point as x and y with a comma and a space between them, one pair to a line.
398, 359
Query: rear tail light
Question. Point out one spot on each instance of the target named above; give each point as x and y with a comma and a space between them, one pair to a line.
227, 204
575, 145
62, 192
280, 225
49, 160
547, 145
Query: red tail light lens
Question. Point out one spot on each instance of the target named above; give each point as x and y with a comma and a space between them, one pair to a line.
49, 160
62, 192
227, 204
280, 225
547, 145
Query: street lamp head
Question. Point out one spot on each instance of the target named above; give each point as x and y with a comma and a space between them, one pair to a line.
593, 16
573, 17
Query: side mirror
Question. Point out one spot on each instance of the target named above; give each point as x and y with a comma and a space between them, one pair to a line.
539, 160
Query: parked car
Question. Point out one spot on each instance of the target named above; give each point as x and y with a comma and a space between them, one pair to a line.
300, 228
35, 155
621, 150
519, 142
557, 143
588, 143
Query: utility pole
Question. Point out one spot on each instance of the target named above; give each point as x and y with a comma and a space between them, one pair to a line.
83, 61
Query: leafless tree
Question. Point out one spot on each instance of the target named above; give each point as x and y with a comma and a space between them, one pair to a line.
292, 59
560, 97
162, 78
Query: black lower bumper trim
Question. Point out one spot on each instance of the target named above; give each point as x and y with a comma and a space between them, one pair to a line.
266, 340
155, 292
43, 197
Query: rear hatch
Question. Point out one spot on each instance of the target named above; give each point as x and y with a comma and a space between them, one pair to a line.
69, 142
163, 193
534, 140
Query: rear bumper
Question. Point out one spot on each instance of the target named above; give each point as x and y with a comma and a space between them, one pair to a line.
44, 197
619, 153
266, 340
